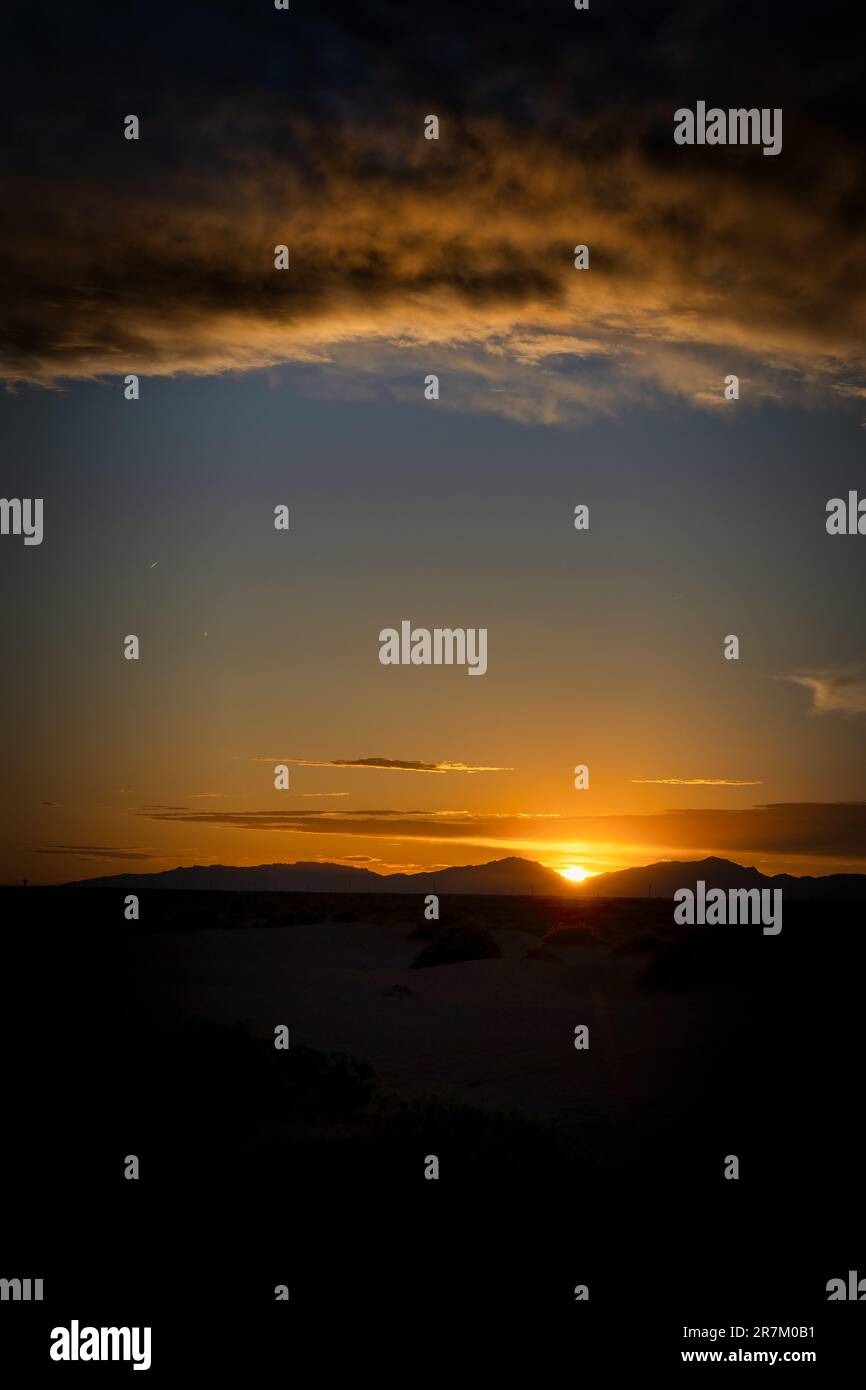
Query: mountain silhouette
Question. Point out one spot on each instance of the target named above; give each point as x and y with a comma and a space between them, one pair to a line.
512, 876
663, 879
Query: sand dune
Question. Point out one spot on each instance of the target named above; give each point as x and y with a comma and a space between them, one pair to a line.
493, 1032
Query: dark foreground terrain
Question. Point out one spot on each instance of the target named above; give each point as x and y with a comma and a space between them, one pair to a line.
558, 1167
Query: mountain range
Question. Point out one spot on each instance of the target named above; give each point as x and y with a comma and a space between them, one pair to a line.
513, 876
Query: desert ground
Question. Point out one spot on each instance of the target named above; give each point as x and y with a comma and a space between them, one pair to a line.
701, 1041
156, 1038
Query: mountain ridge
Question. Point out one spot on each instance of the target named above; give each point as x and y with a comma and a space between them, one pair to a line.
512, 876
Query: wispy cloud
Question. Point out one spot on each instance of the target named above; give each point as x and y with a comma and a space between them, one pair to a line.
381, 765
98, 852
694, 782
836, 688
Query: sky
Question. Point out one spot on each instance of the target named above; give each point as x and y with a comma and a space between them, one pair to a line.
306, 388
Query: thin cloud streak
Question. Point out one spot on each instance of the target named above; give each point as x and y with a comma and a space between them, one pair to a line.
380, 765
693, 782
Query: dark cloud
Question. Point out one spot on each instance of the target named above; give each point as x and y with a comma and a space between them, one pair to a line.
382, 764
808, 829
261, 127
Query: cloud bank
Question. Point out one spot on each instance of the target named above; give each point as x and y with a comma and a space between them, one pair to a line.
805, 829
454, 256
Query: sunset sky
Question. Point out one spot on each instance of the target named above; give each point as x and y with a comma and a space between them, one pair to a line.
306, 387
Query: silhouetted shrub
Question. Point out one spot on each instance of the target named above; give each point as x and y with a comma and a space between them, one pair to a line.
333, 1084
458, 944
718, 958
426, 931
210, 1077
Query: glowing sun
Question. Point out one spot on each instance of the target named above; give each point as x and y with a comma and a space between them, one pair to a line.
575, 873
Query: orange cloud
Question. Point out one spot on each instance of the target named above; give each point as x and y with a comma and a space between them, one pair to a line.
805, 829
399, 257
693, 782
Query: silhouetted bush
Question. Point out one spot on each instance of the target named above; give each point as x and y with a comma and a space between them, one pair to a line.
426, 931
214, 1076
458, 944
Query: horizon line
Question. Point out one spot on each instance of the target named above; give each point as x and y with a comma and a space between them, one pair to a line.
569, 885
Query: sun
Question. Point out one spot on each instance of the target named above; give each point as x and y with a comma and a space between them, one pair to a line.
575, 872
